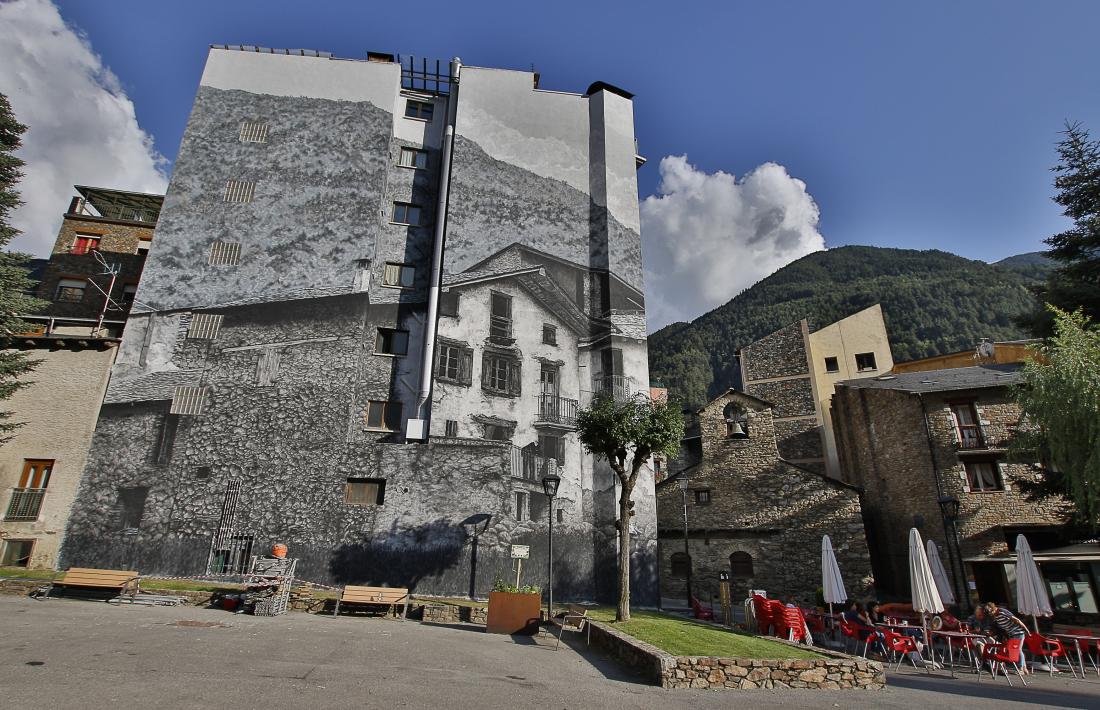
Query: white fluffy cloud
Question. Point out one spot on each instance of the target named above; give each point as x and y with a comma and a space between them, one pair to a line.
81, 127
707, 236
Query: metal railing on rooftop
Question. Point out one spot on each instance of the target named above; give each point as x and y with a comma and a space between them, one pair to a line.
80, 206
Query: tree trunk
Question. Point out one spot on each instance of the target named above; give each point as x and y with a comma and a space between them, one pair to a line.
623, 612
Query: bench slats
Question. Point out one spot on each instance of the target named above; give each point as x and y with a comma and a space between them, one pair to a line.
85, 577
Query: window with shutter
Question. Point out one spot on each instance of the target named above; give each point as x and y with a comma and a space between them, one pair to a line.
500, 374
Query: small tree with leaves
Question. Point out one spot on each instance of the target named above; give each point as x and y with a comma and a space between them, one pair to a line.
627, 434
14, 282
1060, 398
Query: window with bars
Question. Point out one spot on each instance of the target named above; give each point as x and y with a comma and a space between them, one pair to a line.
451, 428
398, 275
204, 326
500, 374
254, 132
391, 342
239, 191
189, 400
406, 213
224, 254
383, 415
500, 316
70, 290
421, 110
365, 491
454, 362
702, 496
413, 158
984, 476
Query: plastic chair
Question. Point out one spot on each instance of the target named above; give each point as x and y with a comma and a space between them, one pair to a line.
701, 612
900, 644
1087, 647
763, 614
793, 625
1050, 649
1001, 654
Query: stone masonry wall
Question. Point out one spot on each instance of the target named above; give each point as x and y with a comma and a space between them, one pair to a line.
781, 354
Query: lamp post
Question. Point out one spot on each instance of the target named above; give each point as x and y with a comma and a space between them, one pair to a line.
550, 484
949, 508
683, 481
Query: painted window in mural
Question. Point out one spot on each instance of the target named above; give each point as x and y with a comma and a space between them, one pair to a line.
523, 508
498, 432
552, 446
365, 491
500, 316
399, 275
549, 334
70, 290
406, 213
253, 132
383, 415
448, 305
451, 428
131, 506
421, 110
391, 342
454, 362
500, 374
413, 158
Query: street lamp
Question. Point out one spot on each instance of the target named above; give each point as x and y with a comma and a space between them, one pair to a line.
683, 481
949, 508
550, 484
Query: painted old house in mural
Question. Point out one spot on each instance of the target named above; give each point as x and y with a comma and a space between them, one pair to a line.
383, 294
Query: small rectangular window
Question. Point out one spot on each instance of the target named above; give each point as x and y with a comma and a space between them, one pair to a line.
204, 326
448, 304
523, 510
383, 415
365, 491
391, 342
239, 191
406, 213
17, 553
399, 275
832, 364
451, 428
131, 506
421, 110
500, 316
984, 476
413, 158
549, 334
500, 374
865, 361
129, 291
702, 497
85, 243
166, 439
189, 400
253, 132
70, 290
224, 254
498, 432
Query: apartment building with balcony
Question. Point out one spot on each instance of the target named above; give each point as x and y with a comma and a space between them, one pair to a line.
386, 290
88, 281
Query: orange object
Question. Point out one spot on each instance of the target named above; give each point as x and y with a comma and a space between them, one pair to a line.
279, 550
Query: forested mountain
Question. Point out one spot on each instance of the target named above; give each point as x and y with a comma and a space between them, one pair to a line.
934, 303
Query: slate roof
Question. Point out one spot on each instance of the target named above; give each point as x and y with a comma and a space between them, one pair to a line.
946, 380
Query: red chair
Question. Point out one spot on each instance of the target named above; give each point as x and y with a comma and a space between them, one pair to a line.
775, 613
701, 612
763, 614
815, 623
1050, 649
793, 625
858, 633
1000, 654
899, 644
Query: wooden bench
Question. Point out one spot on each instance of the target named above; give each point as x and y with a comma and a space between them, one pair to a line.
386, 596
122, 581
576, 619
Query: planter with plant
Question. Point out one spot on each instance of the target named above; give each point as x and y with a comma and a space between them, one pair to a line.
514, 610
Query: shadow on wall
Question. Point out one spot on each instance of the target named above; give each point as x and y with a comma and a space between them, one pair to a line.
400, 558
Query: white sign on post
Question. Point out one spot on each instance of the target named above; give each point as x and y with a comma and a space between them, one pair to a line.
521, 552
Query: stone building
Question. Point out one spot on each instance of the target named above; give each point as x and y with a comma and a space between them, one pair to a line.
751, 513
911, 438
100, 251
380, 294
796, 367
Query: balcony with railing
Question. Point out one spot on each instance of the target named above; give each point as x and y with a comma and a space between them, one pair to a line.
556, 410
25, 504
972, 437
528, 465
618, 386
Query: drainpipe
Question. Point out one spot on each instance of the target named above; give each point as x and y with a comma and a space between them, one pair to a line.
417, 428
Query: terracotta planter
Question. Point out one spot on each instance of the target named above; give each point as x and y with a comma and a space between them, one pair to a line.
514, 613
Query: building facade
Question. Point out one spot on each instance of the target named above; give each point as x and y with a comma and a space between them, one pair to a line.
910, 439
380, 294
89, 282
796, 367
752, 514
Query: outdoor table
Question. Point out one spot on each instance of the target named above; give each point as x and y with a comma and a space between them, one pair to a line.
951, 651
1077, 639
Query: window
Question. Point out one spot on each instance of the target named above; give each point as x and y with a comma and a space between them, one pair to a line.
454, 363
448, 305
984, 476
383, 416
267, 367
561, 515
406, 213
552, 446
968, 431
413, 158
36, 473
398, 275
70, 290
17, 553
498, 432
702, 496
239, 191
128, 293
189, 400
253, 132
224, 253
500, 316
681, 564
611, 361
421, 110
451, 428
131, 506
523, 507
549, 334
204, 326
740, 565
202, 472
85, 243
391, 342
26, 499
365, 491
166, 438
832, 364
865, 361
500, 374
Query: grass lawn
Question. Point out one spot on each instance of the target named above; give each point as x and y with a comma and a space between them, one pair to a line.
683, 637
24, 573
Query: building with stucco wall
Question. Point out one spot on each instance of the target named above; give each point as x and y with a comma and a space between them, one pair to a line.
379, 294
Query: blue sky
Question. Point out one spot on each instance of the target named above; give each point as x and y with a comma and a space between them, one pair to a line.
918, 125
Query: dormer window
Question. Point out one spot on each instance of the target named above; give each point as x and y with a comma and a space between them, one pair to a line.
737, 421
